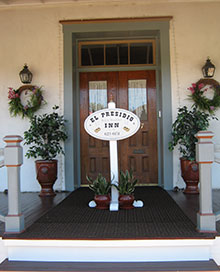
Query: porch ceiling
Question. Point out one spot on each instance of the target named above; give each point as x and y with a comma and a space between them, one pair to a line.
7, 3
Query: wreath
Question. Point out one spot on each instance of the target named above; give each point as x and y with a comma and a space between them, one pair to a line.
201, 99
25, 101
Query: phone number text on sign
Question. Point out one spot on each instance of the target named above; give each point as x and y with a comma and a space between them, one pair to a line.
112, 124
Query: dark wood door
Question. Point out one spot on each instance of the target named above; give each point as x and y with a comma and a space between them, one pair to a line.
135, 91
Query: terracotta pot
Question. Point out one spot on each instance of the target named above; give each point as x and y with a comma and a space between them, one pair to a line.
102, 201
190, 174
126, 202
46, 176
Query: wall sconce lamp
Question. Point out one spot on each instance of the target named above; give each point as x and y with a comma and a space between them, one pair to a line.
25, 75
208, 69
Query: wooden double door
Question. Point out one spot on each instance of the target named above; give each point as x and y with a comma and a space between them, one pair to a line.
131, 90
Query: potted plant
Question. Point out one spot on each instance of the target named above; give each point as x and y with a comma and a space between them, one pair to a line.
126, 187
101, 187
186, 125
45, 135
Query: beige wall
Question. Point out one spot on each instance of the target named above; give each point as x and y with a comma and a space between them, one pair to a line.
33, 35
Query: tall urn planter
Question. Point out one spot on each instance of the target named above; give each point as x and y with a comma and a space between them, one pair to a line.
45, 135
190, 175
46, 175
184, 129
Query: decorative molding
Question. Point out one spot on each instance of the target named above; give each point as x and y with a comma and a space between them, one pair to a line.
11, 3
113, 20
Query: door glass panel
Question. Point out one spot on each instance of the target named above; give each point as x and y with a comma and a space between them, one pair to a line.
137, 98
97, 95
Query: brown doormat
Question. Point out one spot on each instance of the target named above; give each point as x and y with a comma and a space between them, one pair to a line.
160, 218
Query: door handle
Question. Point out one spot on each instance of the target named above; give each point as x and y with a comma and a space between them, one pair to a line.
142, 125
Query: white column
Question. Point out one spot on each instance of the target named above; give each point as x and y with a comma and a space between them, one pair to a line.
113, 149
205, 157
13, 159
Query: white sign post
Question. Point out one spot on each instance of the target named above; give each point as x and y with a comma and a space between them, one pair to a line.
112, 124
113, 150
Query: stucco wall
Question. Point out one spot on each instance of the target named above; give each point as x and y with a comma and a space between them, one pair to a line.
33, 35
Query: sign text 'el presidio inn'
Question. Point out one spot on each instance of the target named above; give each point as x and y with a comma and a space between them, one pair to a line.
112, 124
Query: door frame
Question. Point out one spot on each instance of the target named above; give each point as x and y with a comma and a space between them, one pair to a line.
111, 29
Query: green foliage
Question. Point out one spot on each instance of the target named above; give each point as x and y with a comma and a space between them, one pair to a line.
100, 185
201, 101
186, 125
33, 104
127, 183
45, 134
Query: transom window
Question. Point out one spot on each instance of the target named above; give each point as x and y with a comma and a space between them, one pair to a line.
120, 53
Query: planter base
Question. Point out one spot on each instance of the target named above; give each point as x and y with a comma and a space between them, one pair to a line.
191, 187
47, 192
190, 174
46, 176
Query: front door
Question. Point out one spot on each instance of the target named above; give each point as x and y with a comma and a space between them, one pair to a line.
134, 91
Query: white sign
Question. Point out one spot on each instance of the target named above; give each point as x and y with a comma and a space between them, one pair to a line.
112, 124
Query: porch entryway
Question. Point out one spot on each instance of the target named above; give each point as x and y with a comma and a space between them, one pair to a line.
134, 91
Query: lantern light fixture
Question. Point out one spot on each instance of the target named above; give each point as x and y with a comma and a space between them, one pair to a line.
208, 69
25, 75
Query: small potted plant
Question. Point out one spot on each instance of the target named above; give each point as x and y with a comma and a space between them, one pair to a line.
126, 187
186, 125
101, 187
45, 135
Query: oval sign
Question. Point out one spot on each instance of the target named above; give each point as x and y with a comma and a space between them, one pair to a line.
112, 124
